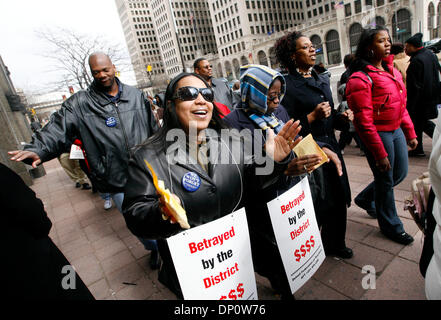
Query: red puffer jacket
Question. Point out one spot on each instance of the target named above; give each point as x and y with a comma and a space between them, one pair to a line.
379, 105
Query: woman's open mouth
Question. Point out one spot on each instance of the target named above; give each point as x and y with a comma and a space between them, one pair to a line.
202, 113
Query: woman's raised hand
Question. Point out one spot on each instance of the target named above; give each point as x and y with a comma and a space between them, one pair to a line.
279, 147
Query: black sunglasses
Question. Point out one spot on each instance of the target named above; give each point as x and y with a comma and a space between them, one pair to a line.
191, 93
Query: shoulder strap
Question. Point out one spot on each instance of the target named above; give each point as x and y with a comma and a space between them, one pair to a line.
369, 78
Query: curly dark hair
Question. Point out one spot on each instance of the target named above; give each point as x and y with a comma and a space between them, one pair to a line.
285, 47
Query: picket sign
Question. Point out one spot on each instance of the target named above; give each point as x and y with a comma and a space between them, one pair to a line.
213, 261
297, 233
76, 152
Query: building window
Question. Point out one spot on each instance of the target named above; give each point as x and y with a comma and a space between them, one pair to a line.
333, 47
357, 4
354, 35
348, 11
401, 31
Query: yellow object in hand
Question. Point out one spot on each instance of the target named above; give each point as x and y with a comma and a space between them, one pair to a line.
172, 205
309, 146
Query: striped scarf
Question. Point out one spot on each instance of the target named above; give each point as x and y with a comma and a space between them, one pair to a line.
255, 81
267, 121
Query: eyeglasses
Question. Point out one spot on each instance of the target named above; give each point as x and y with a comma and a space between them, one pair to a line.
191, 93
272, 98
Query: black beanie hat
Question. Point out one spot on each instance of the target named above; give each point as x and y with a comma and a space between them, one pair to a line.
416, 40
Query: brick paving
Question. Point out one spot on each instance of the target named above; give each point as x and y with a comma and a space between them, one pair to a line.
114, 264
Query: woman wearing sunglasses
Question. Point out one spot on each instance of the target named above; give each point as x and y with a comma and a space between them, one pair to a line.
263, 89
309, 99
217, 188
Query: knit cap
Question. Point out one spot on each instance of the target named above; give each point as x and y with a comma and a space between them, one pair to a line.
416, 40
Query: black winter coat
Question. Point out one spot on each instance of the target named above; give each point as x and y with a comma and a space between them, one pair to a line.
32, 263
423, 85
260, 219
220, 193
107, 130
300, 99
266, 257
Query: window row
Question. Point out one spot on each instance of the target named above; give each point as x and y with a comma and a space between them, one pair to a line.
138, 5
320, 10
273, 16
234, 35
233, 49
225, 14
274, 4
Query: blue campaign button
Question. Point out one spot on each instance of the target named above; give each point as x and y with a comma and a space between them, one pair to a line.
111, 122
191, 181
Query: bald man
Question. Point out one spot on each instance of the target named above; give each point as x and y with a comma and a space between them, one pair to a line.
110, 118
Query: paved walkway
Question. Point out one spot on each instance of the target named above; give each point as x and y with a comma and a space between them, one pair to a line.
114, 264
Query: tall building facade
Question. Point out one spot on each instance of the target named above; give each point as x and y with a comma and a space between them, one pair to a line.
336, 33
137, 22
238, 24
232, 33
164, 37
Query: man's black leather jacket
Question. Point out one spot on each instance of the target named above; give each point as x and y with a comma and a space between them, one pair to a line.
108, 132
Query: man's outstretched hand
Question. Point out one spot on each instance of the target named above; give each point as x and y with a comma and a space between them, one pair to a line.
20, 155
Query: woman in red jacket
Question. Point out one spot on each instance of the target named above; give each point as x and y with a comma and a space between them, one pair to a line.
377, 96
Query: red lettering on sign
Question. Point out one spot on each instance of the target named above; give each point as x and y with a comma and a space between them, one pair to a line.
207, 243
223, 275
291, 204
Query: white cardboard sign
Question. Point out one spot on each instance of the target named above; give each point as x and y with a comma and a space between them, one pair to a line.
297, 233
213, 261
76, 152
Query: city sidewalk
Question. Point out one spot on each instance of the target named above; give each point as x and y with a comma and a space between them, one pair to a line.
114, 264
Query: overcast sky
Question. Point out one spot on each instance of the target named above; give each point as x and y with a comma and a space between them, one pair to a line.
21, 49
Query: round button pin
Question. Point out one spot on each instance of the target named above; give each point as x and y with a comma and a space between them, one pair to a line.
111, 122
191, 181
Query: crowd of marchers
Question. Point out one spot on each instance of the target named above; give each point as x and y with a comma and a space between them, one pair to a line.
389, 96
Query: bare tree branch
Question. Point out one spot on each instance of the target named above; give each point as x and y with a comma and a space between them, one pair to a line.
69, 51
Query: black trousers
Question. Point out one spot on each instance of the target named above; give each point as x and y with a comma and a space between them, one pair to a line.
330, 206
422, 126
268, 263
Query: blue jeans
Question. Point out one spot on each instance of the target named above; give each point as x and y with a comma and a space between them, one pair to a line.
118, 199
380, 193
